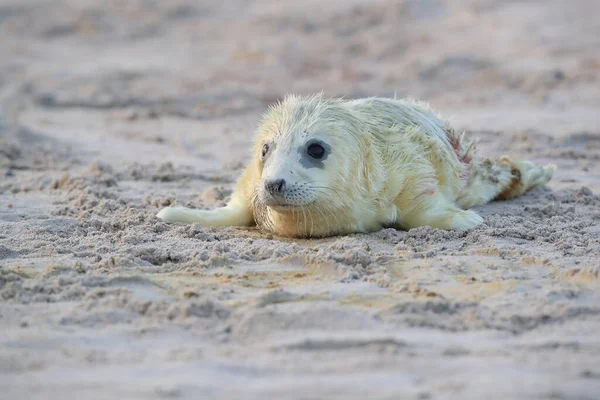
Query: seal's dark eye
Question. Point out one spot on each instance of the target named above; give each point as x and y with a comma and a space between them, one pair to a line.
315, 150
265, 150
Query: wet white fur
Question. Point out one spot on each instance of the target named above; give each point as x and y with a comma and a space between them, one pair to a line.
392, 163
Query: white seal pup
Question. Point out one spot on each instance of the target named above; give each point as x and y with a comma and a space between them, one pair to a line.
323, 167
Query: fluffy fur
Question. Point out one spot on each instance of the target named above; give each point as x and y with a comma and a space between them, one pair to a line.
390, 163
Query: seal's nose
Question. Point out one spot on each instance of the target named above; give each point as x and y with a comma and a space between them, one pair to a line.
275, 187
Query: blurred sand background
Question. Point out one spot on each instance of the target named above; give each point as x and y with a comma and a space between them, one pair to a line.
112, 109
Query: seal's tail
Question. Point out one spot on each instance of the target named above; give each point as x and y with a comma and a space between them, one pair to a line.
502, 179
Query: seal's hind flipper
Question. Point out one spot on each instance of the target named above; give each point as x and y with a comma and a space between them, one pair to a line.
524, 176
502, 179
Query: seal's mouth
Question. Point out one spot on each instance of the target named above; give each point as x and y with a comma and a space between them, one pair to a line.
280, 203
287, 207
284, 207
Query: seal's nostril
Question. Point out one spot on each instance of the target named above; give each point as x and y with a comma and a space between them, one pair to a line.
276, 186
281, 185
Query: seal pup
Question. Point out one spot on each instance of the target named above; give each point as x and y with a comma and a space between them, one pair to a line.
323, 167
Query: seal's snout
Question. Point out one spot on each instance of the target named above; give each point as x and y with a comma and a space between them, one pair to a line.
275, 187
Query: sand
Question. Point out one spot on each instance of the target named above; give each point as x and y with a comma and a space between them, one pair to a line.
111, 110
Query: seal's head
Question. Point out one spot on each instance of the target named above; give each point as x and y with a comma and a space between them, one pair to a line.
309, 159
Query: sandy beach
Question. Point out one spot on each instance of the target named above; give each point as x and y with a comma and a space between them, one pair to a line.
111, 110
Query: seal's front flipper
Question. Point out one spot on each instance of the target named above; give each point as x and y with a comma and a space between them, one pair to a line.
455, 219
438, 212
230, 215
